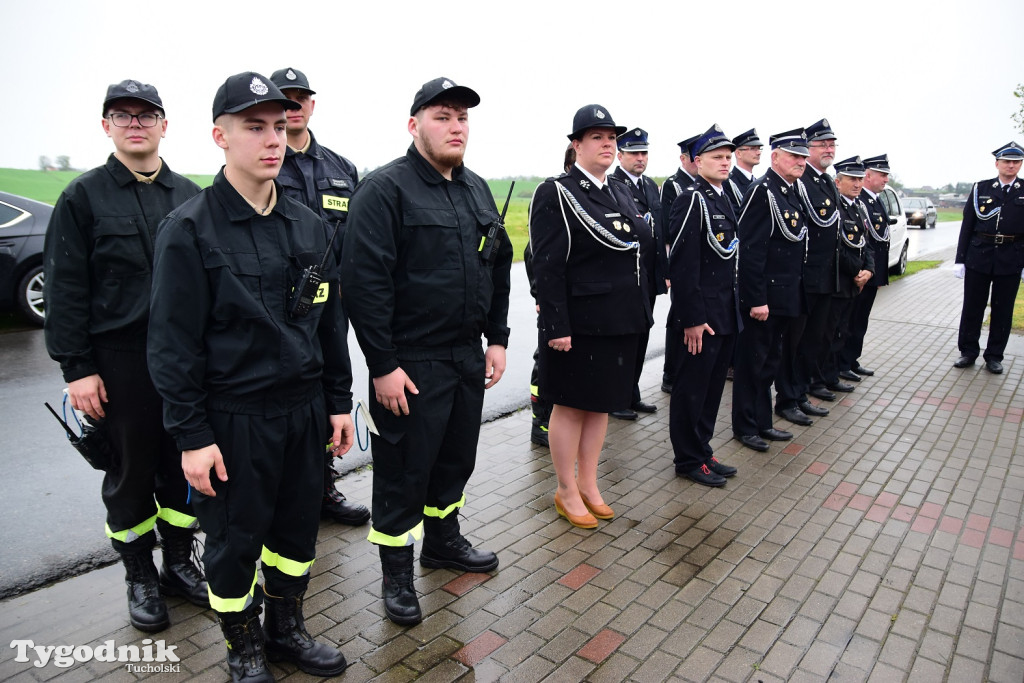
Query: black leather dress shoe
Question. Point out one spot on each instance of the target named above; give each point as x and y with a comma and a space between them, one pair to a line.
849, 375
994, 366
840, 386
642, 407
774, 434
335, 506
720, 468
754, 441
964, 362
666, 387
822, 393
730, 374
795, 415
704, 475
808, 408
863, 371
625, 414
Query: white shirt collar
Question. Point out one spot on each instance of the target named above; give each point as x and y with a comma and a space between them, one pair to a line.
746, 174
870, 193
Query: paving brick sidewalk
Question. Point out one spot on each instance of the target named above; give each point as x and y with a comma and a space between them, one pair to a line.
884, 543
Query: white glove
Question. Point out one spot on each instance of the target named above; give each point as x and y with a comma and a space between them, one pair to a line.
960, 269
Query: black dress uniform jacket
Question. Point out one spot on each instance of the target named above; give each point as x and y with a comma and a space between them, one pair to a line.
219, 330
851, 260
584, 286
322, 181
740, 180
99, 261
982, 253
419, 236
770, 264
680, 179
704, 283
879, 219
645, 196
821, 202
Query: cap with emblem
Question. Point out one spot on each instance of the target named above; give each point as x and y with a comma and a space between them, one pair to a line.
291, 78
712, 139
443, 87
132, 90
634, 140
244, 90
748, 139
593, 116
1011, 151
792, 141
684, 146
819, 130
879, 163
853, 167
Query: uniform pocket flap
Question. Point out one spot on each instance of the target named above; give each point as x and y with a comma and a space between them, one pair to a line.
590, 288
444, 218
241, 263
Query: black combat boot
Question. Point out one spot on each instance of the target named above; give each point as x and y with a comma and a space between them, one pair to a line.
288, 639
146, 609
180, 574
335, 506
541, 417
244, 637
445, 546
400, 602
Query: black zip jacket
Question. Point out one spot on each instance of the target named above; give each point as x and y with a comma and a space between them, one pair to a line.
412, 279
98, 258
219, 331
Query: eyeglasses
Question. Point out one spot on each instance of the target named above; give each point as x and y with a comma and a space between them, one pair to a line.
824, 145
123, 119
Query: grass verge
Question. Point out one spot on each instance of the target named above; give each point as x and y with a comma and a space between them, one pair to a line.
915, 267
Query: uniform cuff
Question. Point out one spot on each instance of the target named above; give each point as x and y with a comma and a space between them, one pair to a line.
201, 438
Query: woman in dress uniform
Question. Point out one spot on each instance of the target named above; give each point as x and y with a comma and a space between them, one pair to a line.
594, 305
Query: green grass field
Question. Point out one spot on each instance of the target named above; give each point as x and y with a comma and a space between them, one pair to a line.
915, 267
948, 215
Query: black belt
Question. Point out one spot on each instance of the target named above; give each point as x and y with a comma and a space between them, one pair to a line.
997, 238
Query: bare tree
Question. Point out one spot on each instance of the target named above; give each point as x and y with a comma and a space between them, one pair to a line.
44, 162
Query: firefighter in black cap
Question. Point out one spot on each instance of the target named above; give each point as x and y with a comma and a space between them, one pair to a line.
990, 256
323, 181
426, 274
246, 346
748, 155
98, 257
632, 156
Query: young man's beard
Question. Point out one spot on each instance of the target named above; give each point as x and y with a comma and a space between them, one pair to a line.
448, 158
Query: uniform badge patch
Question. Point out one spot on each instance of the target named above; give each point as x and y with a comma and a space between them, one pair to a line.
290, 75
131, 87
720, 236
585, 184
447, 84
828, 202
258, 87
783, 190
822, 212
598, 113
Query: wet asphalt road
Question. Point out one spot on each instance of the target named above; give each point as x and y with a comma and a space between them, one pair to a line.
49, 497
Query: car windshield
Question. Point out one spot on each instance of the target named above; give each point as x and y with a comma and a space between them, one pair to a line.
914, 203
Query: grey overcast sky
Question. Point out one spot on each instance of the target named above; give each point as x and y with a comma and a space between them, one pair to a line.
931, 84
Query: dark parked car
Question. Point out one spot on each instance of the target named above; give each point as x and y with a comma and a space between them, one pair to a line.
920, 212
22, 229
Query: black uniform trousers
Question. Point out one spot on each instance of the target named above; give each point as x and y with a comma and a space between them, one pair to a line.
693, 408
423, 460
849, 356
756, 363
789, 383
541, 408
641, 356
977, 286
147, 461
815, 346
672, 340
269, 508
840, 315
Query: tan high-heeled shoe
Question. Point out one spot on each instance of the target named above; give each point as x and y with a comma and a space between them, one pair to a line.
587, 521
600, 511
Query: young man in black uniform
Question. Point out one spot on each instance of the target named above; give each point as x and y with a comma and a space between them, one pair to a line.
681, 179
705, 308
855, 262
773, 235
632, 155
748, 155
805, 357
990, 256
876, 176
246, 358
422, 280
323, 181
99, 248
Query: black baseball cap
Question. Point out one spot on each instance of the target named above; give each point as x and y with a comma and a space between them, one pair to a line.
593, 116
291, 78
132, 90
442, 87
244, 90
